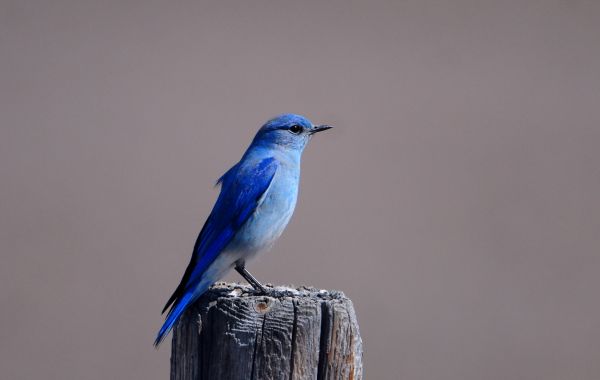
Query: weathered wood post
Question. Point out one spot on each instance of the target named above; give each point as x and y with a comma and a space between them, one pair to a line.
232, 333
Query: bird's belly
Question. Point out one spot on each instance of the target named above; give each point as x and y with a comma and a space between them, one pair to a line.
267, 223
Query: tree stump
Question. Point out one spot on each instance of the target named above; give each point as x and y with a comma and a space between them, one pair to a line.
233, 333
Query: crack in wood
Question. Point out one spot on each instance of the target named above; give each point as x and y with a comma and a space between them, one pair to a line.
294, 343
323, 341
257, 343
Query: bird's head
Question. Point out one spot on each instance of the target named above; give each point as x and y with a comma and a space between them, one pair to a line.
287, 131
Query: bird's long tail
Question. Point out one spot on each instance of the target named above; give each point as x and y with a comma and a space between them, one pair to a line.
215, 271
177, 310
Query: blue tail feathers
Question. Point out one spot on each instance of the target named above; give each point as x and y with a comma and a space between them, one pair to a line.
173, 316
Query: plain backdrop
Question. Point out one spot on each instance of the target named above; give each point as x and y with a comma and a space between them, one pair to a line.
457, 201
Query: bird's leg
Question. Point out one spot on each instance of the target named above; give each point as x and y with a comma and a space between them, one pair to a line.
250, 278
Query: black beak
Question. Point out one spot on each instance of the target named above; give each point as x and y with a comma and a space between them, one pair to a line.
319, 128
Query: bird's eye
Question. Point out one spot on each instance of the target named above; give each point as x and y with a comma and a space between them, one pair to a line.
296, 129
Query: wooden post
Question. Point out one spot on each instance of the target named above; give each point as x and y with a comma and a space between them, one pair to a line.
291, 334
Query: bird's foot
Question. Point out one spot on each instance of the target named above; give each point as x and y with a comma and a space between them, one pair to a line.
259, 289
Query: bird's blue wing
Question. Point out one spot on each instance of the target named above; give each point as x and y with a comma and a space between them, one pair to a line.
241, 190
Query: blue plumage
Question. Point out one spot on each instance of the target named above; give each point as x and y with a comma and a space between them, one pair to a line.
257, 199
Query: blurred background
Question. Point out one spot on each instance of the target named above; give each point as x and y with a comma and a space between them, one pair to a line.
457, 202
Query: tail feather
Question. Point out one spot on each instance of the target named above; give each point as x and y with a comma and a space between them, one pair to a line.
183, 298
179, 307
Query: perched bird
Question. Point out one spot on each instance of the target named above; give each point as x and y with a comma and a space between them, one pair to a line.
256, 202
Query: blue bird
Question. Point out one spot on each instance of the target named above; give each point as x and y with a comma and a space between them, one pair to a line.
256, 202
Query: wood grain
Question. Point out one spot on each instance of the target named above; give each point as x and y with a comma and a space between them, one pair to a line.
233, 333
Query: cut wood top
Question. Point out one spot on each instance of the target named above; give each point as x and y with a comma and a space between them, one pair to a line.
233, 332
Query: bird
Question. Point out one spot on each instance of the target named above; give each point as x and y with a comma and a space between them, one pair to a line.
256, 201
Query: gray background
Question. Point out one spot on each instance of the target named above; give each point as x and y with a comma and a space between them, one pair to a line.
457, 201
